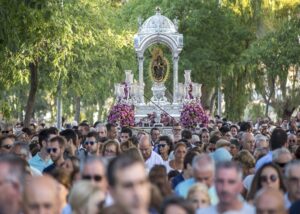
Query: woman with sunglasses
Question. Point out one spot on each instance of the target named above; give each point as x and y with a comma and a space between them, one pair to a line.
164, 147
270, 176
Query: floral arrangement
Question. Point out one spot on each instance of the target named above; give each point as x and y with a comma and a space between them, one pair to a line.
122, 114
193, 114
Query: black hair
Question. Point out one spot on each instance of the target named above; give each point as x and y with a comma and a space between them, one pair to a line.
154, 129
165, 138
109, 126
69, 134
43, 136
96, 124
186, 134
84, 123
178, 201
168, 141
93, 134
234, 126
245, 126
27, 131
224, 129
61, 141
188, 159
126, 130
278, 138
53, 130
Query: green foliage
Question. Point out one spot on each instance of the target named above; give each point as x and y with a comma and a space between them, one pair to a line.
256, 110
276, 58
71, 40
87, 44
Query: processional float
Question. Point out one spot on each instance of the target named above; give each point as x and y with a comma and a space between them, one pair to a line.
157, 29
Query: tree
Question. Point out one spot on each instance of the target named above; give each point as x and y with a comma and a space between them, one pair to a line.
277, 58
46, 41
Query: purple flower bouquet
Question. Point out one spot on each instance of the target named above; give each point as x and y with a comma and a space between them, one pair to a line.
193, 114
122, 114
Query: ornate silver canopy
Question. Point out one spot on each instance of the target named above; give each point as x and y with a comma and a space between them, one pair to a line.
159, 29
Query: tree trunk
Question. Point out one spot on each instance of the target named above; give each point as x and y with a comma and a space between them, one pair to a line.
77, 109
99, 110
33, 67
212, 104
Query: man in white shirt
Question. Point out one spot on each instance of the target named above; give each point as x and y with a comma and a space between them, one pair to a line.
151, 158
228, 184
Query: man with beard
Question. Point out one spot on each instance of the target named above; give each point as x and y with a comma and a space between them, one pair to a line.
229, 184
56, 148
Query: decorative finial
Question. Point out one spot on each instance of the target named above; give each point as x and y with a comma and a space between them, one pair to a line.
175, 21
140, 21
158, 10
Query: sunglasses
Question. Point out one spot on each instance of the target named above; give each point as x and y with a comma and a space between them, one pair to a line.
162, 145
212, 149
8, 146
110, 151
96, 178
281, 165
6, 132
54, 150
272, 178
89, 142
292, 141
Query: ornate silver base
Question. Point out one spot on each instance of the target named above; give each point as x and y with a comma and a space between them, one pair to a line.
141, 111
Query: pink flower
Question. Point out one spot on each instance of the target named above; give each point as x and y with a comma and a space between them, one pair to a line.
122, 114
193, 114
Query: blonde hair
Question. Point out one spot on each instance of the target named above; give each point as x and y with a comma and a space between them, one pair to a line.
111, 142
199, 187
80, 194
222, 143
246, 159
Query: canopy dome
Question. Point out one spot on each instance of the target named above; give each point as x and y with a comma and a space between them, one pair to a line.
158, 24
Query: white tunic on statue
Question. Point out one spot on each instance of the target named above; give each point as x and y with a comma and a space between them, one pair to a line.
154, 159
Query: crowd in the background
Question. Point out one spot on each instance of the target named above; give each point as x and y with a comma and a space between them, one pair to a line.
223, 167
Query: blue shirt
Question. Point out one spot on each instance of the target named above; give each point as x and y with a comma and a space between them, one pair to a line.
50, 168
38, 163
176, 180
262, 161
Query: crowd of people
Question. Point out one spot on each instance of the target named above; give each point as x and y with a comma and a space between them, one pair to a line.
102, 168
